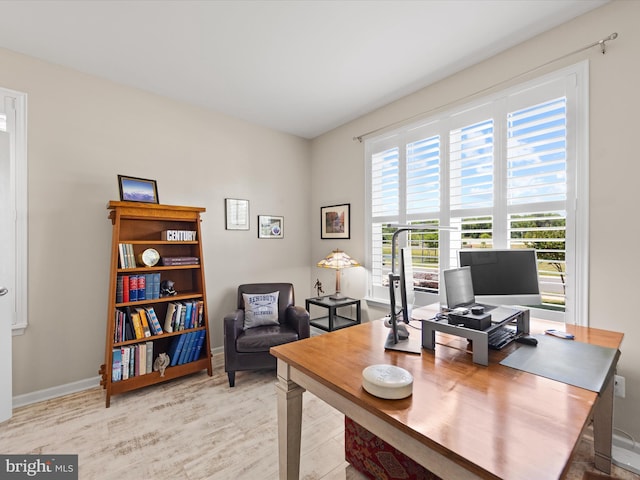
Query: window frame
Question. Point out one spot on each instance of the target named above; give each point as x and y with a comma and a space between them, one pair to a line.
574, 80
16, 102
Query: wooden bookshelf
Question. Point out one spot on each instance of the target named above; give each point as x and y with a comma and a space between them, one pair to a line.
140, 225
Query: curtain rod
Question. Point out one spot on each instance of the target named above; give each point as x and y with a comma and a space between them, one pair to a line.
603, 48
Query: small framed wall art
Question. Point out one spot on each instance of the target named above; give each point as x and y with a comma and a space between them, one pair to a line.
236, 214
134, 189
270, 226
335, 221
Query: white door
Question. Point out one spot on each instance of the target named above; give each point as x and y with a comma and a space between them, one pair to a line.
7, 272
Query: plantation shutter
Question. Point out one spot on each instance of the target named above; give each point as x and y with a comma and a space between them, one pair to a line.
504, 170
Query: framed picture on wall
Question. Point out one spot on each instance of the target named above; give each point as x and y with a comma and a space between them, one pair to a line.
335, 221
236, 214
270, 226
134, 189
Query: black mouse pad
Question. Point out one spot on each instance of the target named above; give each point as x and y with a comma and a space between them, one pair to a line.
576, 363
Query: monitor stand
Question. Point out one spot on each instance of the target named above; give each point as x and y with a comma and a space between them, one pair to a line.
405, 345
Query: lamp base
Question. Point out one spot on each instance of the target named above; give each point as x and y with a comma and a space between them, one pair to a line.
407, 345
337, 296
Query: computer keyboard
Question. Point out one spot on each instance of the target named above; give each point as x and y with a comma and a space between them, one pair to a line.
501, 337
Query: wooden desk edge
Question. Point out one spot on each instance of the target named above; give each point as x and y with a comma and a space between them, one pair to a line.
292, 381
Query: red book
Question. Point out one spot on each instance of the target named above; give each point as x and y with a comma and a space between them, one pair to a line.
125, 288
141, 287
133, 288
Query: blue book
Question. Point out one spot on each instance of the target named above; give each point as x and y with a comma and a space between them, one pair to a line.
132, 360
189, 358
186, 348
155, 286
196, 351
175, 349
187, 318
116, 372
154, 323
148, 286
142, 289
133, 288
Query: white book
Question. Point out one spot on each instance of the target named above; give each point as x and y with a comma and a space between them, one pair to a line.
178, 315
168, 319
126, 358
142, 359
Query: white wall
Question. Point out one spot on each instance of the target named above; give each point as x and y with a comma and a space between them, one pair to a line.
614, 167
82, 133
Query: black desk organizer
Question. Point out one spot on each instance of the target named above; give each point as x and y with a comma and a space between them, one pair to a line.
480, 338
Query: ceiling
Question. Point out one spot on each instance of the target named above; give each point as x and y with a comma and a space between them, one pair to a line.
301, 67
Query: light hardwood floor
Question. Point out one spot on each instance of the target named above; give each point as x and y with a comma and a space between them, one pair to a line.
194, 428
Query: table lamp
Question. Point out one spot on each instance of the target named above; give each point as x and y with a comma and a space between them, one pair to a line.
337, 260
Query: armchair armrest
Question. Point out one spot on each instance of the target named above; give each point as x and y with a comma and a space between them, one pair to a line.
298, 318
233, 325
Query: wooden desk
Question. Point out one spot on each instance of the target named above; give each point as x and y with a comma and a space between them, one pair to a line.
463, 420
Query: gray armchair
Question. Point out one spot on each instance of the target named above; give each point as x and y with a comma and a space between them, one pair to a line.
248, 348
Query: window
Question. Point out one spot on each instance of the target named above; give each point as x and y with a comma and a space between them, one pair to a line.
13, 168
504, 172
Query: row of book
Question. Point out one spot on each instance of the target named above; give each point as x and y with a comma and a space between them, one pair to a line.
128, 258
134, 360
126, 255
184, 315
172, 261
135, 324
186, 348
142, 322
131, 361
132, 288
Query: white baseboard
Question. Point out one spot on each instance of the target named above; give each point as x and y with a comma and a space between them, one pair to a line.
53, 392
216, 350
73, 387
626, 454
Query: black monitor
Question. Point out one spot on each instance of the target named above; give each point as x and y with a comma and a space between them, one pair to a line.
402, 286
408, 294
503, 277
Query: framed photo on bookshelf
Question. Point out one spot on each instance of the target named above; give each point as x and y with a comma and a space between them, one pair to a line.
134, 189
236, 214
270, 226
335, 221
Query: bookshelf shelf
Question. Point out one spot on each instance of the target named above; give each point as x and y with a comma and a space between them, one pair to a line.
159, 242
157, 269
157, 337
131, 347
176, 298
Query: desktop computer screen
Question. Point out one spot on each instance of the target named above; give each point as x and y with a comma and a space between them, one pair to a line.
406, 283
503, 277
400, 315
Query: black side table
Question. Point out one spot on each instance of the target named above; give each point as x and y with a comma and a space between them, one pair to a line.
333, 321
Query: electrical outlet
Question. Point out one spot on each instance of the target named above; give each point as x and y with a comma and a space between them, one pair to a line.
619, 386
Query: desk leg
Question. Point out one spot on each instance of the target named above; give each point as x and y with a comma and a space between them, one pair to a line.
481, 351
289, 423
428, 336
603, 428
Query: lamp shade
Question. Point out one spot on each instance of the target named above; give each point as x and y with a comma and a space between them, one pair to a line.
337, 260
